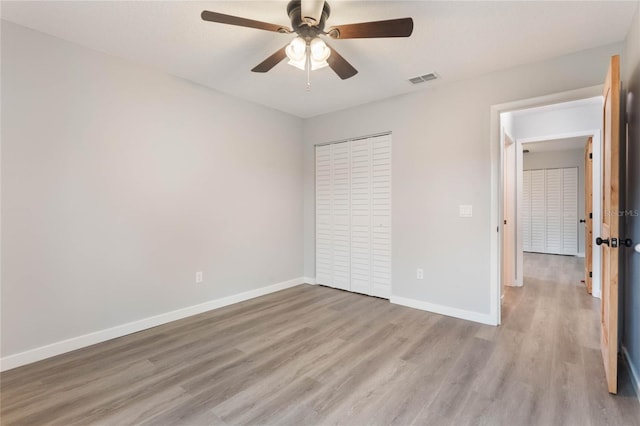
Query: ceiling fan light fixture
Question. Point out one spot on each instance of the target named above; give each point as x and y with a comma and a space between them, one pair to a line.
320, 52
297, 49
297, 53
316, 52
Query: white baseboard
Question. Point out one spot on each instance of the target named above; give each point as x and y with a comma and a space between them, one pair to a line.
68, 345
444, 310
633, 373
309, 280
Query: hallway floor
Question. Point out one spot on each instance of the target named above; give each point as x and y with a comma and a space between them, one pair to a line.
555, 324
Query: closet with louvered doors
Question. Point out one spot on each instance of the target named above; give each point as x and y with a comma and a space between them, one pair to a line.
550, 211
353, 215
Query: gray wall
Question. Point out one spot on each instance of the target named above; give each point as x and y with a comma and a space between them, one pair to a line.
120, 182
631, 283
441, 159
557, 159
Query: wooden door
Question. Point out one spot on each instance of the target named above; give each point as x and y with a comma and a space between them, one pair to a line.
608, 241
588, 212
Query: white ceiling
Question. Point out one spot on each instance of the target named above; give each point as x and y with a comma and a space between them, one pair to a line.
457, 40
565, 144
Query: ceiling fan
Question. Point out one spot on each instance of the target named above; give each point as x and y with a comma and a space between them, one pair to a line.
308, 51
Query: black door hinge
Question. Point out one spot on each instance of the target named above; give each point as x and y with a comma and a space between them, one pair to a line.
590, 156
590, 215
590, 274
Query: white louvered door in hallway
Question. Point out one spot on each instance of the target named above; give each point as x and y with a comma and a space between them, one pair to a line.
550, 211
538, 206
570, 210
353, 215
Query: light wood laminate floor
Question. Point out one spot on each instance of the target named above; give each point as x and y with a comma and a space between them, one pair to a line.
314, 355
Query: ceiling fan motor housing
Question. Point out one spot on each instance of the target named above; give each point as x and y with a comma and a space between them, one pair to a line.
302, 27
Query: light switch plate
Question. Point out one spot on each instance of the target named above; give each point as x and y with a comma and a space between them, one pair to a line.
466, 210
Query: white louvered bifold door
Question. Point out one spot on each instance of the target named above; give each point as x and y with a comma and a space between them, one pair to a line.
570, 210
332, 215
381, 211
526, 210
552, 201
353, 215
538, 226
553, 196
324, 250
361, 217
340, 170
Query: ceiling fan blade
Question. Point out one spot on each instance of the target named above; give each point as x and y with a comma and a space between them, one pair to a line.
242, 22
311, 10
271, 61
340, 65
392, 28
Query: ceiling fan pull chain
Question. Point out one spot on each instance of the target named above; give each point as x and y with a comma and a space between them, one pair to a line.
308, 54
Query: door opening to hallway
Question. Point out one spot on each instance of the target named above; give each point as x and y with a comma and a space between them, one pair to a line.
546, 210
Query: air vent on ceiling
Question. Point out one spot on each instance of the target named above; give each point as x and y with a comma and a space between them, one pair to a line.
423, 78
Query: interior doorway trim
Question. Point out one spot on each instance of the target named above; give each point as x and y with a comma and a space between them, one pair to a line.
497, 191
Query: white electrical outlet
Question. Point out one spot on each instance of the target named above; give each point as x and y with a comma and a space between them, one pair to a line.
198, 277
420, 273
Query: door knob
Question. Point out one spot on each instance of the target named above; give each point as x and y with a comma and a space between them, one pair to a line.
626, 243
613, 243
582, 221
